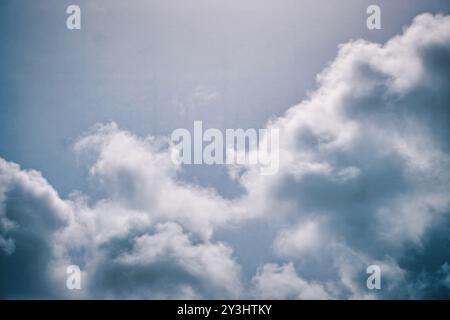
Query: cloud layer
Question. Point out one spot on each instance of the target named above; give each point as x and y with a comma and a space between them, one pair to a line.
364, 179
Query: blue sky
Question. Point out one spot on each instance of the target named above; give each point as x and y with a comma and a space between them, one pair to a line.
154, 66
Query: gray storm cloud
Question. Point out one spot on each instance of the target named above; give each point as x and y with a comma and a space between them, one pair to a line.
364, 179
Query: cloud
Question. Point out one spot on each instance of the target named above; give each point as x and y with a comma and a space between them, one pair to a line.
211, 265
301, 239
147, 234
202, 96
31, 213
364, 162
138, 174
282, 282
363, 179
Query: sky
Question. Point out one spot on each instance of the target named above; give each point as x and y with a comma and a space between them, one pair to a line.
85, 178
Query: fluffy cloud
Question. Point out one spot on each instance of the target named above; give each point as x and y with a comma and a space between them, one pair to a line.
282, 282
364, 177
301, 239
210, 264
147, 235
31, 213
138, 174
364, 163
